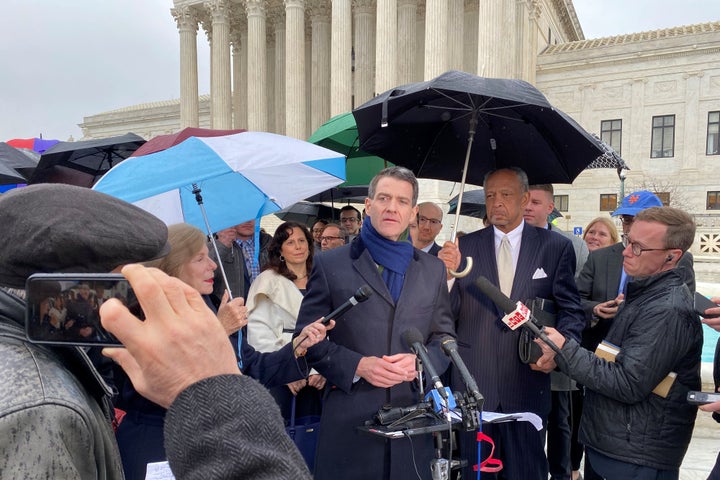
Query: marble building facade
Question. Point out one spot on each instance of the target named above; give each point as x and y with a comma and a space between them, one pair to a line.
286, 66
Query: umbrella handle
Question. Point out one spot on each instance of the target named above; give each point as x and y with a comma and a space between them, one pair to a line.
464, 273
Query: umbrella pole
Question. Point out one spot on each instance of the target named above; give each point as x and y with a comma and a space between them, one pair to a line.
196, 191
453, 234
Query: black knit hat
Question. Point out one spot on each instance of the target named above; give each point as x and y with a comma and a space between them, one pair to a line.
57, 228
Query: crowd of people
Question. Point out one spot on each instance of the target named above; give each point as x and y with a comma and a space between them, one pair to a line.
209, 379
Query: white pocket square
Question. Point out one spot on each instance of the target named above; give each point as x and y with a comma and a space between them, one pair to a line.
539, 273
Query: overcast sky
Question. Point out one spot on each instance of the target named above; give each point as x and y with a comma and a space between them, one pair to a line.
62, 61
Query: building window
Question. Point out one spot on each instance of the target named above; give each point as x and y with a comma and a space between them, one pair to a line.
561, 202
713, 200
611, 133
608, 202
713, 134
664, 198
663, 136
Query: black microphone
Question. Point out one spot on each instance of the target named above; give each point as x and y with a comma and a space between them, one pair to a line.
388, 415
523, 318
449, 346
362, 294
414, 339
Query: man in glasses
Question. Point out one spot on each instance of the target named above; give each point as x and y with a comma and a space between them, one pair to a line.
350, 219
429, 224
601, 285
333, 236
636, 421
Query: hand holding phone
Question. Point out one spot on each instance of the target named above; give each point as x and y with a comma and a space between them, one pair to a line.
702, 303
63, 308
701, 398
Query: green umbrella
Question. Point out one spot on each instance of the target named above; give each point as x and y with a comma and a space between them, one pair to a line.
340, 134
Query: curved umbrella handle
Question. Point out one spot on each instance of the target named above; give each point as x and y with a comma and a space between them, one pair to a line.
464, 273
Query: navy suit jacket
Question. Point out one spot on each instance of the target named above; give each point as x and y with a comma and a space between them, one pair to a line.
599, 281
371, 328
487, 346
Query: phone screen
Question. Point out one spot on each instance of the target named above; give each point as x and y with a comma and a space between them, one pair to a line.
64, 308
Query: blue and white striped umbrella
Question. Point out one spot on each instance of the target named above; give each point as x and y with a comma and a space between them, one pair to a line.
241, 177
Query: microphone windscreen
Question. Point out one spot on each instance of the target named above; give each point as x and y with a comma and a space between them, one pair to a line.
363, 293
494, 293
411, 336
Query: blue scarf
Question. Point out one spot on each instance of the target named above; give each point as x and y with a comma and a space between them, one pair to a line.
393, 257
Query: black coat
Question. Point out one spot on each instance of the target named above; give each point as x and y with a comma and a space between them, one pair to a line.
657, 333
372, 328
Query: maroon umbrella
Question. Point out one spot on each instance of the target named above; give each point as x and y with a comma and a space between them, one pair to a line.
163, 142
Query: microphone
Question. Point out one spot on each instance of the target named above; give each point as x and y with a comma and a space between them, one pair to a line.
362, 294
414, 339
517, 314
449, 346
387, 415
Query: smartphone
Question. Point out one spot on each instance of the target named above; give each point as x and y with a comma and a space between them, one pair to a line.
702, 303
701, 398
63, 308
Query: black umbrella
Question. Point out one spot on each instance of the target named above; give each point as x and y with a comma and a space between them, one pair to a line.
353, 193
22, 161
83, 163
8, 176
609, 159
474, 205
430, 127
308, 213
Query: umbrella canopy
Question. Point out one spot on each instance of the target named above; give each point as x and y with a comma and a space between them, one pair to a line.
8, 176
38, 145
163, 142
308, 213
429, 126
22, 161
609, 159
473, 205
340, 134
353, 193
83, 163
241, 177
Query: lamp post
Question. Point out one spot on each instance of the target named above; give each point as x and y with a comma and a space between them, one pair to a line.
622, 175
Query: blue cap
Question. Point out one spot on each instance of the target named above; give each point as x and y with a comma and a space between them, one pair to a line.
636, 202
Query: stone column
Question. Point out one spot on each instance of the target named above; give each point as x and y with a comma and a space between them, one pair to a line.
456, 35
238, 37
386, 46
320, 61
364, 45
470, 50
274, 80
436, 38
341, 58
690, 145
187, 27
492, 38
206, 23
530, 68
257, 66
278, 101
420, 42
407, 41
221, 92
295, 68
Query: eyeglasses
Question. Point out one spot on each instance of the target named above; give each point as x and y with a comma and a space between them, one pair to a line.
348, 219
627, 219
636, 248
424, 220
327, 239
